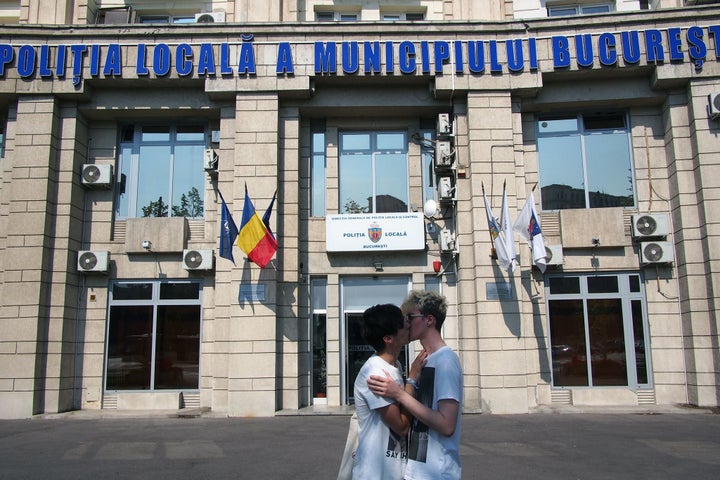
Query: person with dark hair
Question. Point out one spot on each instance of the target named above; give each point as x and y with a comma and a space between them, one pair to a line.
434, 441
382, 425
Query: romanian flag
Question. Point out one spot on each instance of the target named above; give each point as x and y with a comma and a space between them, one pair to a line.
255, 237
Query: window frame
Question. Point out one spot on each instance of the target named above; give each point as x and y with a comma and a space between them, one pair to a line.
627, 296
584, 134
155, 302
337, 16
374, 152
578, 9
128, 176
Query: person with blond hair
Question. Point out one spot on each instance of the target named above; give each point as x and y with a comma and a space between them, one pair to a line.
434, 441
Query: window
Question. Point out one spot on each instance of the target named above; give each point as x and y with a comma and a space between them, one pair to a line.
578, 10
585, 162
373, 172
153, 339
598, 330
402, 16
318, 167
336, 17
2, 138
318, 302
161, 171
167, 19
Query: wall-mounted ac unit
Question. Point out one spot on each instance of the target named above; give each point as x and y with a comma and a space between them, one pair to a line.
93, 261
554, 255
447, 241
210, 17
198, 259
714, 105
444, 125
96, 176
656, 252
650, 225
446, 191
443, 154
210, 161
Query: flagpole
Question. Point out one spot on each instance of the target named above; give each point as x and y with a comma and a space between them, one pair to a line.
493, 253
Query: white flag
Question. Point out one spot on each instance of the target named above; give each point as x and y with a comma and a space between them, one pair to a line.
497, 239
528, 226
507, 231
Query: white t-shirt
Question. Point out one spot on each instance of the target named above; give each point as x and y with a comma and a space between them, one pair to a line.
432, 456
381, 454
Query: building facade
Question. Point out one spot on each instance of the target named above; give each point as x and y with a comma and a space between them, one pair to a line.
378, 129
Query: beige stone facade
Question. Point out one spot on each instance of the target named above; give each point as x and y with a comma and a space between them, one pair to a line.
263, 89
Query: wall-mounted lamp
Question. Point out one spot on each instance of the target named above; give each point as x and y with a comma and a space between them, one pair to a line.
147, 245
301, 274
378, 266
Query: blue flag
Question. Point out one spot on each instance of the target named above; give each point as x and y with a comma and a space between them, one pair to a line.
228, 232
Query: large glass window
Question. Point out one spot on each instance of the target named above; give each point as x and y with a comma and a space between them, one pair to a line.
153, 336
373, 172
597, 330
318, 167
585, 162
318, 302
161, 171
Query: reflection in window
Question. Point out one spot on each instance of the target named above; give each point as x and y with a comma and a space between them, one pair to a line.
578, 10
585, 162
318, 166
153, 336
373, 172
161, 171
590, 328
318, 301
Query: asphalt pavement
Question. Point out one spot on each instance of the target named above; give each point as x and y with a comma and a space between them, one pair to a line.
658, 444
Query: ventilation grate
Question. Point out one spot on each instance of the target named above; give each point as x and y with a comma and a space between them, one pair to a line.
190, 400
646, 397
109, 402
561, 397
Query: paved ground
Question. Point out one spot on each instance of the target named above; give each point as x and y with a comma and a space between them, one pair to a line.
659, 444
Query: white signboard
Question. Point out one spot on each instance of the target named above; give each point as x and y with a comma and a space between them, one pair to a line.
367, 232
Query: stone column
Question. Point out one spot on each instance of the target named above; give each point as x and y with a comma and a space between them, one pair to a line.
501, 354
31, 196
252, 329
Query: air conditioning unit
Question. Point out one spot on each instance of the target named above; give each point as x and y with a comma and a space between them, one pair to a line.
93, 261
210, 161
444, 125
714, 105
97, 176
210, 17
650, 225
198, 259
445, 189
554, 255
443, 154
656, 252
447, 241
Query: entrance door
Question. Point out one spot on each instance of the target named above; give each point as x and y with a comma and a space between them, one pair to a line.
357, 294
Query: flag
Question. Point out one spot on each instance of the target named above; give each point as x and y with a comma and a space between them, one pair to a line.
228, 232
528, 226
506, 230
497, 239
255, 237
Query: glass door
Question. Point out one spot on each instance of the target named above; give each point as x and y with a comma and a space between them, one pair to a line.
357, 294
